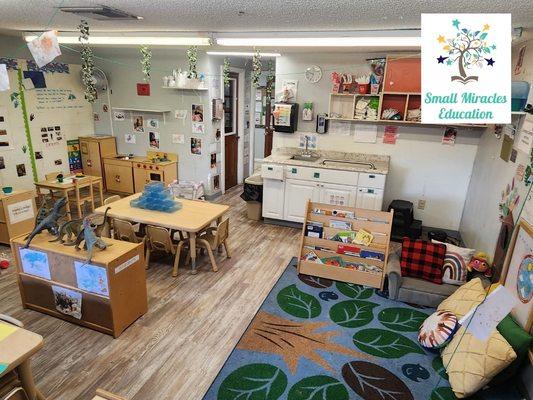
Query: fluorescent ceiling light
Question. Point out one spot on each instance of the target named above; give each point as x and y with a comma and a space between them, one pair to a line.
366, 41
241, 53
132, 40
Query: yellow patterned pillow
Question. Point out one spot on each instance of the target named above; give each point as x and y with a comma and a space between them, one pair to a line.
475, 362
464, 299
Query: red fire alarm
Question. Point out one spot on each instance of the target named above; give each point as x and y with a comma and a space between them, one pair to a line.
143, 89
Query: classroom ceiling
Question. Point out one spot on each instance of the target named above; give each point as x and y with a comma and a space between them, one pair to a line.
251, 15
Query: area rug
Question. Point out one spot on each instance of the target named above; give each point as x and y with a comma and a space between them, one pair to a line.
314, 339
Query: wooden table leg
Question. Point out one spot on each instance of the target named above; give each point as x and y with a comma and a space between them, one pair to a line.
101, 190
67, 205
192, 249
26, 379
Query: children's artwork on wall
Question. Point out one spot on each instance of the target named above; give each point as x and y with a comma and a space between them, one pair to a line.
38, 155
74, 156
217, 135
180, 114
196, 146
520, 60
218, 109
520, 171
130, 138
216, 182
67, 301
44, 48
197, 128
143, 89
138, 123
289, 90
35, 262
153, 137
91, 278
5, 139
105, 108
449, 136
514, 154
4, 78
308, 141
518, 274
213, 160
2, 163
178, 138
119, 116
96, 117
21, 170
152, 123
509, 199
58, 161
197, 114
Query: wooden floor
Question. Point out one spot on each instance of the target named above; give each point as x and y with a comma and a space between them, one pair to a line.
193, 322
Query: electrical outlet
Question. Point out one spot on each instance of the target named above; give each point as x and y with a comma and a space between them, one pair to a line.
421, 204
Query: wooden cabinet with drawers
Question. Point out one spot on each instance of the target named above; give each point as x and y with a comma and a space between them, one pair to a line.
119, 176
145, 172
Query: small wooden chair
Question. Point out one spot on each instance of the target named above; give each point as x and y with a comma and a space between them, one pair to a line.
160, 239
124, 230
52, 176
111, 199
80, 196
211, 239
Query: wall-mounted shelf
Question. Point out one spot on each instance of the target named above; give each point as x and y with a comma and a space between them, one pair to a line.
518, 113
184, 88
396, 122
144, 110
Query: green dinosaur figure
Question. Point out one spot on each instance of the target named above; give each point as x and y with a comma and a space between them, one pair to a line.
49, 222
90, 239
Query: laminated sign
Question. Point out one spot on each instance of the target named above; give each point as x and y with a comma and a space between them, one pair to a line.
466, 68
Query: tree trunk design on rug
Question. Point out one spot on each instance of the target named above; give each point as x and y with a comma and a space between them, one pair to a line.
291, 340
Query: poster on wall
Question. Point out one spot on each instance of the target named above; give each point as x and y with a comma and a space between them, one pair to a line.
180, 114
197, 128
5, 137
21, 170
282, 114
464, 57
91, 278
44, 48
2, 163
524, 141
152, 123
4, 78
196, 146
130, 138
67, 301
35, 263
197, 114
518, 277
213, 160
119, 116
153, 137
20, 211
178, 138
74, 156
216, 182
138, 123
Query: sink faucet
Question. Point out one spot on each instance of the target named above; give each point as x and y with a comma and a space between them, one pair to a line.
306, 152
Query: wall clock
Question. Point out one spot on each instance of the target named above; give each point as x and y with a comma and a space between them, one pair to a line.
313, 74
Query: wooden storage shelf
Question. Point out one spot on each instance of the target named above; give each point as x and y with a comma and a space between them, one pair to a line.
120, 299
378, 223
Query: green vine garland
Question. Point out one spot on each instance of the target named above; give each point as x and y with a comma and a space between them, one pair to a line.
225, 72
146, 62
87, 63
270, 79
192, 57
256, 68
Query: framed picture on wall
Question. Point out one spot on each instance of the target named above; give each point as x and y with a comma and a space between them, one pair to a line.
517, 275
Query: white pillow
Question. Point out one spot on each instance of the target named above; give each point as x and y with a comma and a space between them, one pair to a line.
455, 262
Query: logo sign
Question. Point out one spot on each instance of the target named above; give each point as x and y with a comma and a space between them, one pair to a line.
466, 68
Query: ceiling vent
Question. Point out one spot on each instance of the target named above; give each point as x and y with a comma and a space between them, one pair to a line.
102, 13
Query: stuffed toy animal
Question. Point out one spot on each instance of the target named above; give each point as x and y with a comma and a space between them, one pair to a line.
480, 263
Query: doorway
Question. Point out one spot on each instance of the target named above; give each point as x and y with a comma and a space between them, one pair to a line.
231, 131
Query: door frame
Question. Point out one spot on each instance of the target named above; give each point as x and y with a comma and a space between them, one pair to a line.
240, 131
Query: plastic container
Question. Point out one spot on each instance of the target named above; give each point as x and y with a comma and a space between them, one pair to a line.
519, 95
363, 88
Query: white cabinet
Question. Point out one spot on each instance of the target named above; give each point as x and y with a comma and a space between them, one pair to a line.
338, 195
273, 193
369, 198
297, 192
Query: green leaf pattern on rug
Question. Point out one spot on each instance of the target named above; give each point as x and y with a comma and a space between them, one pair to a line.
352, 313
298, 304
318, 387
354, 291
253, 382
385, 344
443, 393
402, 319
438, 366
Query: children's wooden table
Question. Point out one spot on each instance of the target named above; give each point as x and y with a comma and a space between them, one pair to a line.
17, 345
69, 185
193, 217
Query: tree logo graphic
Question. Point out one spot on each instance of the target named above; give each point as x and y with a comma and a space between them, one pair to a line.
468, 49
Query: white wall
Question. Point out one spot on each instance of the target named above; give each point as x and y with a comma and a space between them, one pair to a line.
421, 167
480, 223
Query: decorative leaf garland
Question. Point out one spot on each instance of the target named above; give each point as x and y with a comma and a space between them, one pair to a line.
270, 79
225, 71
87, 63
256, 68
192, 57
146, 62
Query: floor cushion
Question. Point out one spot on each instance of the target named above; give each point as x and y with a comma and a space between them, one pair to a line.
423, 260
464, 298
437, 330
471, 363
456, 259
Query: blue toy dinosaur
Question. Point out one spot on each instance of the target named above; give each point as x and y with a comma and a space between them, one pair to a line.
48, 221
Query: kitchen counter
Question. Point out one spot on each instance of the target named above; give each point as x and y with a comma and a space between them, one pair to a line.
381, 162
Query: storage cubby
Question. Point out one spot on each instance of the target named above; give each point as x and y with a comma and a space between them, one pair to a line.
359, 268
341, 106
397, 101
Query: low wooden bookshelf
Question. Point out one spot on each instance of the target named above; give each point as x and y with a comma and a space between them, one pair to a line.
359, 270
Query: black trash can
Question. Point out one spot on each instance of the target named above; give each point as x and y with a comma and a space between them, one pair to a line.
253, 195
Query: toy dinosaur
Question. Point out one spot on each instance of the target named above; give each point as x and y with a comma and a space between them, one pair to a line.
71, 228
90, 240
99, 228
48, 222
